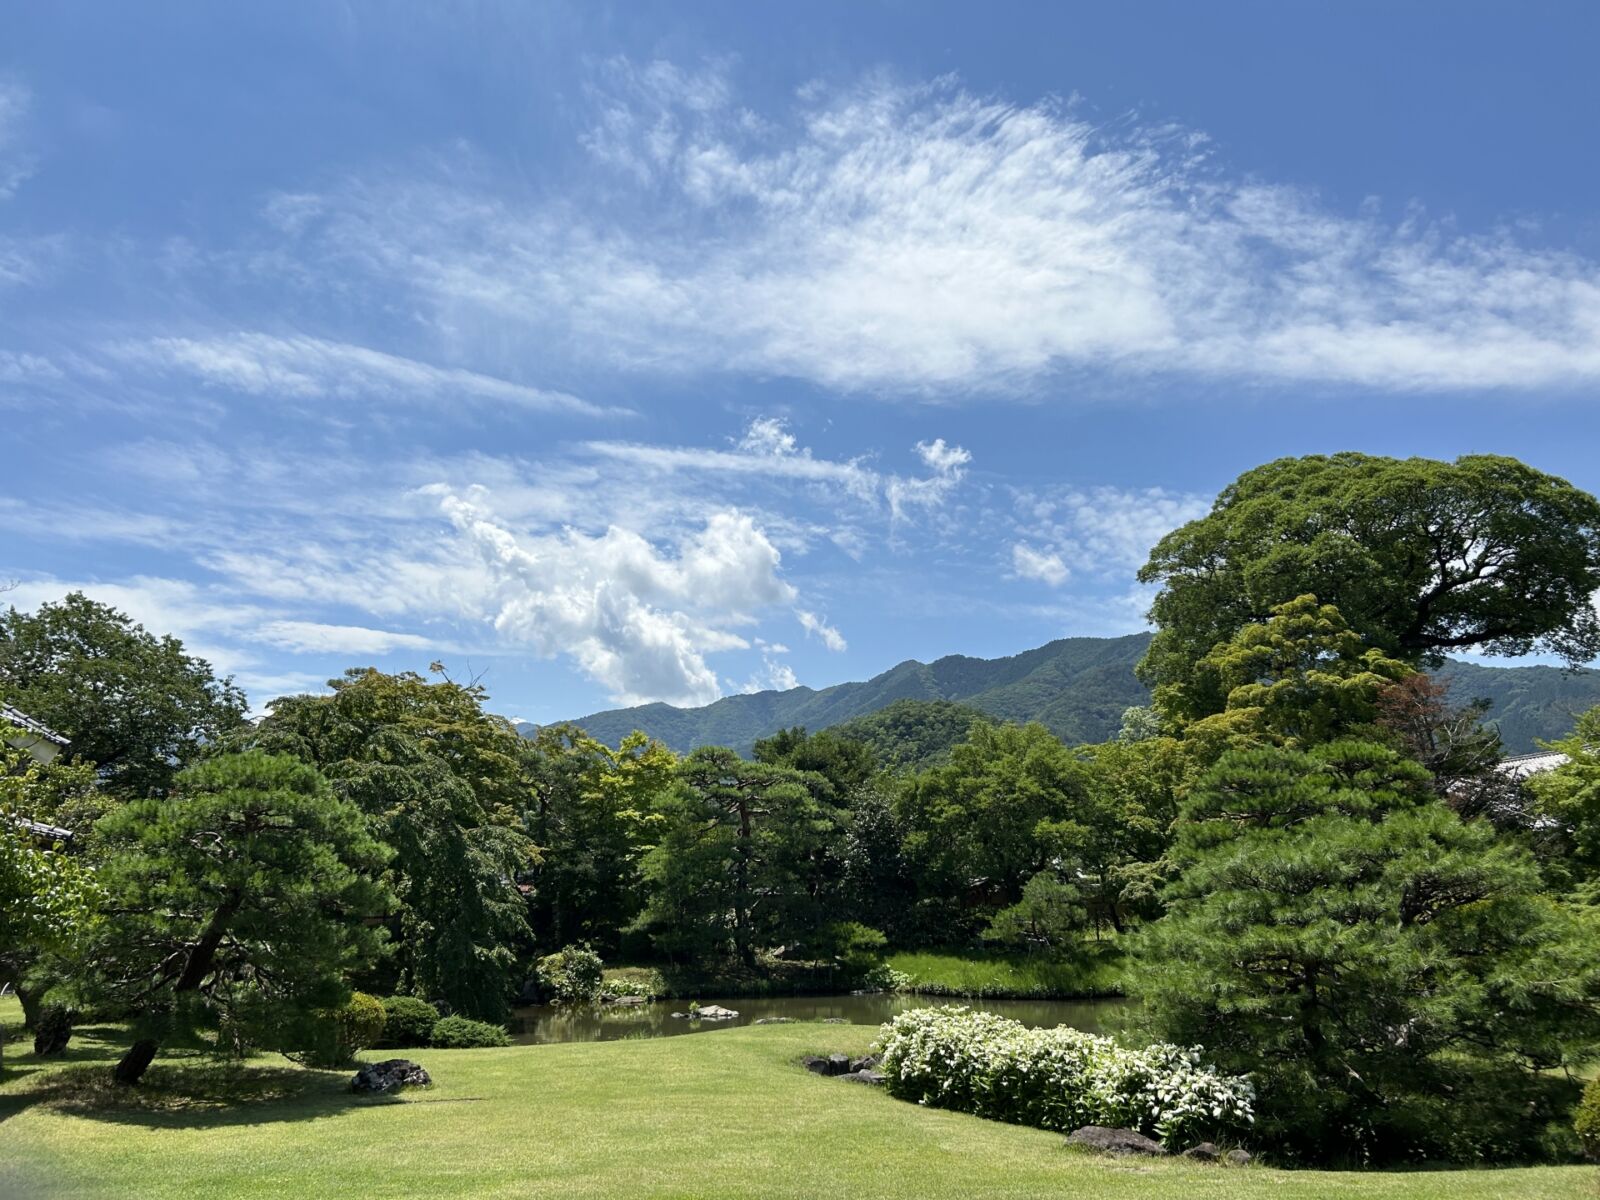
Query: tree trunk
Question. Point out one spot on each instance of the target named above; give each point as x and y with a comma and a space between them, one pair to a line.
134, 1063
32, 998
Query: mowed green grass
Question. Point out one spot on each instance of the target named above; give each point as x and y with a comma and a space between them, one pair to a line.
1019, 976
728, 1113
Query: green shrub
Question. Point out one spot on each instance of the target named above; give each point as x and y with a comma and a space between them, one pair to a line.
1587, 1120
1059, 1078
408, 1021
334, 1035
571, 975
462, 1033
633, 981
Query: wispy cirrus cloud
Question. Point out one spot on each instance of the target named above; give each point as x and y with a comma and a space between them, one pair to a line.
1103, 532
310, 368
926, 239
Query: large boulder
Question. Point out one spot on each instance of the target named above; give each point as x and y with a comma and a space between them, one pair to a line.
1204, 1152
831, 1064
390, 1075
1105, 1140
869, 1063
715, 1012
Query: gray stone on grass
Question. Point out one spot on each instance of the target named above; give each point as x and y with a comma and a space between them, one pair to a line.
1204, 1152
390, 1075
870, 1077
1239, 1158
1105, 1140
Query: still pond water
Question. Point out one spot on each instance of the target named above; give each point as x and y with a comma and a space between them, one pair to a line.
541, 1023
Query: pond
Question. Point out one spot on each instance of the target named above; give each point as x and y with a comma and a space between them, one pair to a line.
542, 1023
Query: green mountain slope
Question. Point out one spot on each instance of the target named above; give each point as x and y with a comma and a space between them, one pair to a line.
1077, 687
1528, 702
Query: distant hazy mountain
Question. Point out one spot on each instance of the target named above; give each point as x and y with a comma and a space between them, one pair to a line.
1077, 687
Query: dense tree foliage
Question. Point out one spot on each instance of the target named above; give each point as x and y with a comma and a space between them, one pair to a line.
1365, 952
240, 902
1566, 812
593, 813
133, 704
1421, 557
912, 733
743, 861
441, 783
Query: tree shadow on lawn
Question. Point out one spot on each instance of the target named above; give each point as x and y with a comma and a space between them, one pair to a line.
183, 1096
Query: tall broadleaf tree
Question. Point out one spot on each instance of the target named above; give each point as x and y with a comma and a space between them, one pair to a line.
441, 783
135, 705
1422, 557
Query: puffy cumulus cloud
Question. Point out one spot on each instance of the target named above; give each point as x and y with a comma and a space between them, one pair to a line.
1033, 564
1101, 532
635, 619
820, 629
300, 367
926, 239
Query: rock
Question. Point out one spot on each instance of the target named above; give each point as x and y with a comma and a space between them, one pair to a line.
832, 1064
1113, 1141
868, 1077
816, 1064
714, 1012
1239, 1158
775, 1021
681, 1016
869, 1063
625, 1001
1204, 1152
834, 1021
390, 1075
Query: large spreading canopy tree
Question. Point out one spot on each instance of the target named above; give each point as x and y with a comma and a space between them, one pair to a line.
133, 704
1421, 557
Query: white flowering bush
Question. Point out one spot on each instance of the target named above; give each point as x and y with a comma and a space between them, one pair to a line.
1061, 1078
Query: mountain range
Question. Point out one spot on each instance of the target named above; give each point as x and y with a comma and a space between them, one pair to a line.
1077, 687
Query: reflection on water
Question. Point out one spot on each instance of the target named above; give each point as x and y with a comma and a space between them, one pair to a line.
542, 1023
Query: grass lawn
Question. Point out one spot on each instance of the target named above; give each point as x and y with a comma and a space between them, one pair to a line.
719, 1114
1023, 977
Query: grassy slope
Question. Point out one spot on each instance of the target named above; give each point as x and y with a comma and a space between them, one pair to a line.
721, 1114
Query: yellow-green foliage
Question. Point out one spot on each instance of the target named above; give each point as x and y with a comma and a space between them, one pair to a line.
1587, 1121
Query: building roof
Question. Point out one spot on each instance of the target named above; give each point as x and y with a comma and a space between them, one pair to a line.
48, 833
37, 728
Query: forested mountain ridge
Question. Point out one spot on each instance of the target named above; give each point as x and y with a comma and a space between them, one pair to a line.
1076, 687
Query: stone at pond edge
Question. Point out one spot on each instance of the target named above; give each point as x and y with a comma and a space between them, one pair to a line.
624, 1001
1239, 1158
834, 1021
868, 1076
1204, 1152
775, 1021
390, 1075
1113, 1141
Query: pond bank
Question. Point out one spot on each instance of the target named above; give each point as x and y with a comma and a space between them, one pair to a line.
544, 1024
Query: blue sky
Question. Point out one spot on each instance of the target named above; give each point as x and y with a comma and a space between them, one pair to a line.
617, 353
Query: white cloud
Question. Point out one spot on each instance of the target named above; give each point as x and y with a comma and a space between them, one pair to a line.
768, 436
815, 625
925, 239
1102, 532
15, 164
1032, 564
316, 638
299, 367
636, 620
774, 676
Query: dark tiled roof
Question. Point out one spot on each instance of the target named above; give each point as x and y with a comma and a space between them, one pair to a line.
17, 717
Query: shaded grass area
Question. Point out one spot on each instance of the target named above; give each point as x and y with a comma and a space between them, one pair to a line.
728, 1113
1093, 973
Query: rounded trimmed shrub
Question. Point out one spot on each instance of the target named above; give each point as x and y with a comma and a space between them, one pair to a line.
408, 1021
1587, 1119
462, 1033
336, 1034
572, 975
